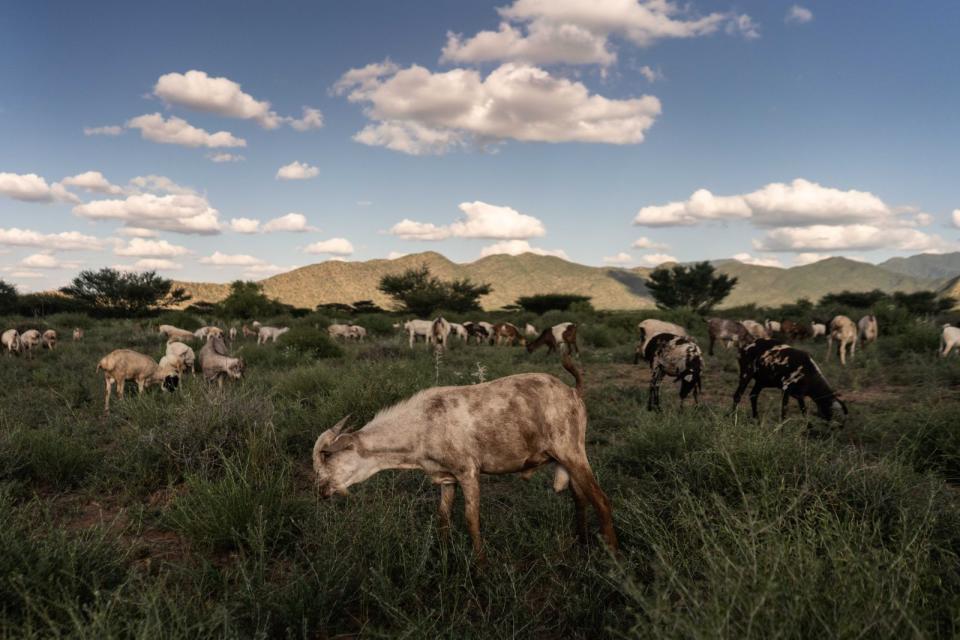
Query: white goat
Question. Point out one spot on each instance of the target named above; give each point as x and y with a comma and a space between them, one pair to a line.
418, 328
340, 331
460, 331
949, 339
868, 329
818, 329
755, 329
233, 334
123, 364
358, 332
183, 353
439, 332
173, 333
844, 331
28, 340
270, 333
530, 330
11, 341
454, 434
50, 339
77, 334
217, 364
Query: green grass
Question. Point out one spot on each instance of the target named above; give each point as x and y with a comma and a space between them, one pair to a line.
208, 524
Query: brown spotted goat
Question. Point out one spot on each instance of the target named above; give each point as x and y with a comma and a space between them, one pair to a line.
676, 356
770, 363
454, 434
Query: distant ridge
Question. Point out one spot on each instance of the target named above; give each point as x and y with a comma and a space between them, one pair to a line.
926, 265
529, 274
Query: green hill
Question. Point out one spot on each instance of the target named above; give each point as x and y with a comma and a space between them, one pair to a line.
926, 265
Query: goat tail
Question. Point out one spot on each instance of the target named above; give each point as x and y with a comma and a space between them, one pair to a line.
573, 370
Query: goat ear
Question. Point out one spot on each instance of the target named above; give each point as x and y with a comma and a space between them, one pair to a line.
345, 441
337, 428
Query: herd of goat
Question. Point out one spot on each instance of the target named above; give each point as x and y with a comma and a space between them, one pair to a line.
513, 424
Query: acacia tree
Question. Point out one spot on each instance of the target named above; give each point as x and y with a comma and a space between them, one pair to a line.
247, 300
8, 297
419, 292
696, 286
126, 293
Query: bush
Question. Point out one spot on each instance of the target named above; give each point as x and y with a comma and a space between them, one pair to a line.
181, 320
311, 341
544, 302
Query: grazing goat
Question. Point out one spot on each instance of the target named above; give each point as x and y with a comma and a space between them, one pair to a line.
728, 332
478, 331
270, 333
650, 327
868, 329
216, 363
794, 331
123, 364
358, 332
248, 332
418, 328
460, 331
203, 332
439, 332
11, 341
455, 434
508, 333
559, 336
818, 329
232, 333
28, 340
50, 339
949, 338
675, 356
183, 353
173, 333
772, 326
530, 330
77, 334
770, 363
755, 329
340, 331
844, 332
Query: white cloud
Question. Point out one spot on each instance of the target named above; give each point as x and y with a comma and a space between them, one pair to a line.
656, 259
294, 222
311, 119
222, 96
231, 260
92, 181
176, 130
517, 247
743, 25
43, 261
746, 258
297, 170
481, 220
799, 15
159, 184
29, 187
620, 258
644, 242
140, 248
186, 213
225, 157
157, 264
578, 31
956, 218
333, 246
417, 111
852, 237
110, 130
63, 241
244, 225
651, 74
137, 232
24, 273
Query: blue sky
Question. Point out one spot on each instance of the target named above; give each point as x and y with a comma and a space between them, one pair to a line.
773, 131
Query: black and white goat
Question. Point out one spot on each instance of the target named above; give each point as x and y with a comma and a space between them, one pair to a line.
561, 336
770, 363
675, 356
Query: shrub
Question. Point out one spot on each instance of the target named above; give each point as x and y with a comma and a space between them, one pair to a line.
544, 302
181, 319
311, 341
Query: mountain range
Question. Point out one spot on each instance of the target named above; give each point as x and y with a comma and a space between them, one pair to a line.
608, 287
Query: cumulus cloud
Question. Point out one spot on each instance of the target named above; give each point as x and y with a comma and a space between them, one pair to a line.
110, 130
244, 225
219, 259
517, 247
759, 261
179, 213
297, 170
157, 264
63, 241
656, 259
851, 237
46, 260
92, 181
333, 246
743, 25
578, 31
651, 74
644, 242
29, 187
225, 157
799, 15
417, 111
311, 119
222, 96
620, 258
480, 220
293, 222
137, 232
159, 184
174, 130
140, 248
956, 218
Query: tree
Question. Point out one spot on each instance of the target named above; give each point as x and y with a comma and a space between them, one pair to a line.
247, 300
856, 299
420, 293
8, 297
696, 286
923, 303
126, 293
544, 302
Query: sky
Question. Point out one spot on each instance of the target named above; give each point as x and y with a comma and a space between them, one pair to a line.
219, 140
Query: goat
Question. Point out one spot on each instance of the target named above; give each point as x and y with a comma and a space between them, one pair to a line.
476, 330
248, 332
558, 336
868, 329
203, 332
183, 353
728, 332
232, 333
439, 332
454, 434
217, 364
772, 326
77, 334
794, 331
50, 339
123, 364
676, 356
650, 327
844, 332
173, 333
340, 331
460, 331
949, 338
757, 330
28, 340
418, 328
817, 329
506, 332
270, 333
530, 330
770, 363
11, 340
358, 332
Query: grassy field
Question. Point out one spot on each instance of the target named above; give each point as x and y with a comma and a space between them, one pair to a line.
193, 514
